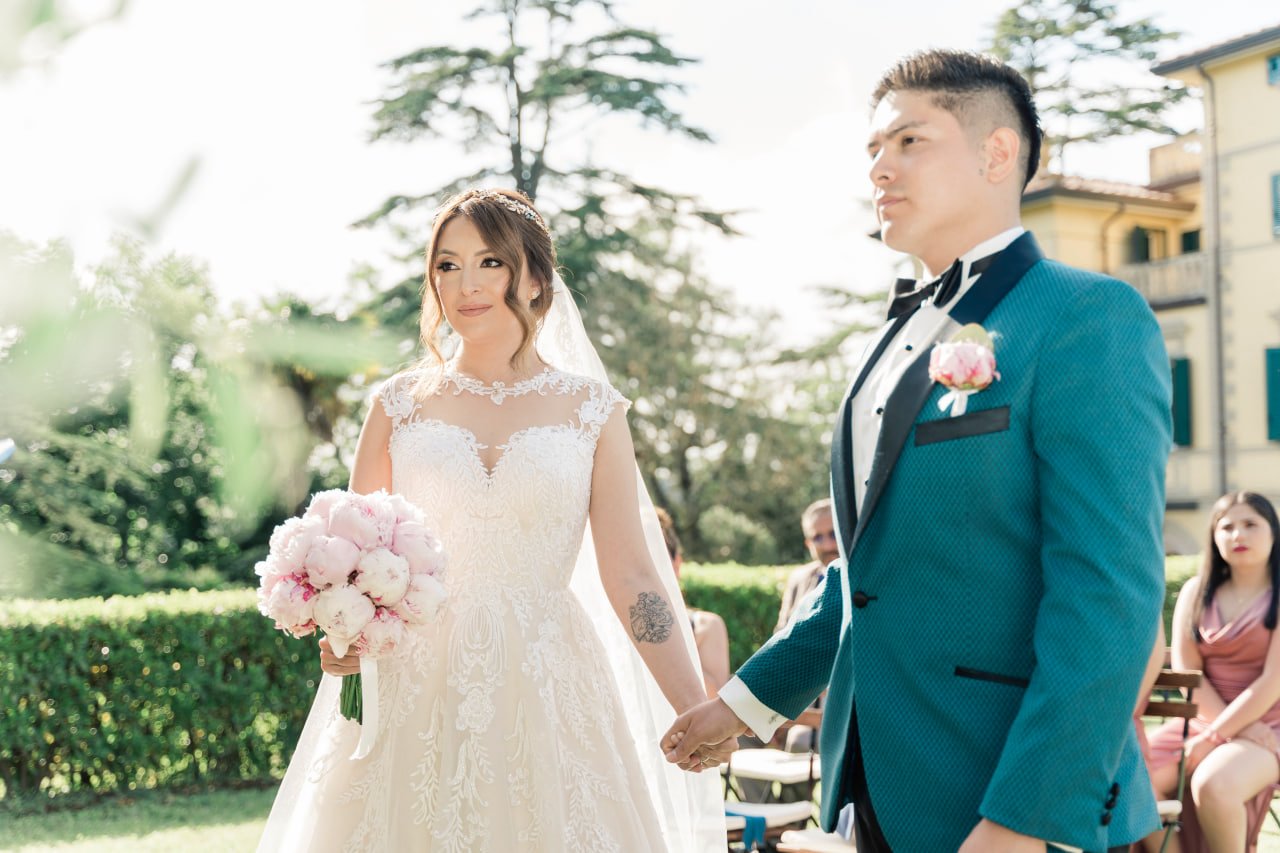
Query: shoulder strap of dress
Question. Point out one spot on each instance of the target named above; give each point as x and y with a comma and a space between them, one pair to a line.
397, 398
594, 411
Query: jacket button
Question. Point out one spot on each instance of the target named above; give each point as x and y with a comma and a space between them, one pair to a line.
1111, 802
1115, 789
1106, 819
860, 599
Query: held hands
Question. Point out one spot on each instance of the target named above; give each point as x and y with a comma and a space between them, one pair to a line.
703, 736
334, 665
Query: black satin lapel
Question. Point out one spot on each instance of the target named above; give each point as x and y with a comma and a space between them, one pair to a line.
842, 442
900, 412
1005, 271
904, 404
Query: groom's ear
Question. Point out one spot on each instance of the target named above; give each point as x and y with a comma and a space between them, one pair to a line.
1000, 155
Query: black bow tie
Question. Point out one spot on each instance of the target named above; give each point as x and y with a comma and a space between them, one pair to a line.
908, 293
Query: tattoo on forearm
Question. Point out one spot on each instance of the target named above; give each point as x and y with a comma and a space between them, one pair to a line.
651, 618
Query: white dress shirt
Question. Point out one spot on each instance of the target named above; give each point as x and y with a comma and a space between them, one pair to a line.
924, 327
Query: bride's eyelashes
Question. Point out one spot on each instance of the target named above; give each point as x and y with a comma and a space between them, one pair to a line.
450, 266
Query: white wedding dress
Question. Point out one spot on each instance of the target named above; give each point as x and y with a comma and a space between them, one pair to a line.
502, 726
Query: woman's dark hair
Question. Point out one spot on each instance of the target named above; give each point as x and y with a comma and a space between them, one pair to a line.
1214, 571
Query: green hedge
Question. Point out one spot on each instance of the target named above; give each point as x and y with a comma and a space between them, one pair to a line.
150, 691
169, 690
746, 597
1177, 571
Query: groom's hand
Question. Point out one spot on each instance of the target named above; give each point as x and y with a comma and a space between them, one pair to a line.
703, 736
991, 837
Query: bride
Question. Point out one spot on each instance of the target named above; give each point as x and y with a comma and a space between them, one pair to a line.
528, 716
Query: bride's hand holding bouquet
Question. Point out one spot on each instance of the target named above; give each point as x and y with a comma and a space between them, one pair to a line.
361, 568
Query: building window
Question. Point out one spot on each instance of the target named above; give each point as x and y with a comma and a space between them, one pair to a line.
1190, 242
1181, 368
1273, 69
1273, 395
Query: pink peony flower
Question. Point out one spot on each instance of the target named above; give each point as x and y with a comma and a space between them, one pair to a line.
383, 576
963, 365
283, 533
330, 561
381, 635
297, 543
386, 515
322, 503
423, 600
404, 510
342, 612
291, 604
355, 520
416, 544
270, 571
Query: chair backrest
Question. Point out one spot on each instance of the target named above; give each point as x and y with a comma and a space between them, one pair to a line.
1173, 694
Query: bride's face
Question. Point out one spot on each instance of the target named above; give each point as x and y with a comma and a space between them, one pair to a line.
472, 282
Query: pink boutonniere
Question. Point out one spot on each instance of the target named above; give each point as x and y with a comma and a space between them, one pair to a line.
964, 365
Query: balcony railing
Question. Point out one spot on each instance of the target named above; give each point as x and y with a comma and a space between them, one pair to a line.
1170, 281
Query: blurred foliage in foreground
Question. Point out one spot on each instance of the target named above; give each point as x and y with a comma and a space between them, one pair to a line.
159, 440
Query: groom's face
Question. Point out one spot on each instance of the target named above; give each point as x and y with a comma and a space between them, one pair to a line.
926, 174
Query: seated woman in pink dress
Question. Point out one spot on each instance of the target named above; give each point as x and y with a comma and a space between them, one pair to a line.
1224, 624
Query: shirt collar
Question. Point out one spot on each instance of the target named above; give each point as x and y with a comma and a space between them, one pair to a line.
988, 247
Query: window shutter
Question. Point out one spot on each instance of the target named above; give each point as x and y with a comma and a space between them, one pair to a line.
1181, 401
1273, 394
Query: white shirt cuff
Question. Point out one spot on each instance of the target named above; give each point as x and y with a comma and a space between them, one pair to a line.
759, 717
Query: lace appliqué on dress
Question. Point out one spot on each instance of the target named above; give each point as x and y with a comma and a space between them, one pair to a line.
508, 702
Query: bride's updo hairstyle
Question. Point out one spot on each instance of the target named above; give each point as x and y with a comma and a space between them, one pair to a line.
517, 235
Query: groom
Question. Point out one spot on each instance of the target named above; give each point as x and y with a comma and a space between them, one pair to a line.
983, 638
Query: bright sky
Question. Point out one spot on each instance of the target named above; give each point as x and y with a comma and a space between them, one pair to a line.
273, 100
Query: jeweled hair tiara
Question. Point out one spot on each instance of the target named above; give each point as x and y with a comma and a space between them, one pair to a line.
515, 206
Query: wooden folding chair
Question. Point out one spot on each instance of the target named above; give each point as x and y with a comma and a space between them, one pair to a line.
1173, 696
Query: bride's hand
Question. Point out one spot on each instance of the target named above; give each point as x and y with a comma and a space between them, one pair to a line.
334, 665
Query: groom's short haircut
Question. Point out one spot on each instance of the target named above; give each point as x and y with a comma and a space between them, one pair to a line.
982, 93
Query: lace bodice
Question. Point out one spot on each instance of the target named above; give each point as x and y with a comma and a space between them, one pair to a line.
503, 473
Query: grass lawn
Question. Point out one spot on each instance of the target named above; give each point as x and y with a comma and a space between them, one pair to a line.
211, 821
217, 822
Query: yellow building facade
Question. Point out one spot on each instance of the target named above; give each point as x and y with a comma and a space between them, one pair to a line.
1201, 241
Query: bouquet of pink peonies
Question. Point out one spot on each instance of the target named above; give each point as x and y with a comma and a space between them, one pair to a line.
361, 568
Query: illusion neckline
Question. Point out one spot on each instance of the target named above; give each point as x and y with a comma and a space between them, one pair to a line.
496, 391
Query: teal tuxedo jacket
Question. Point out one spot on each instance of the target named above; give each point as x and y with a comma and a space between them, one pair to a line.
1001, 583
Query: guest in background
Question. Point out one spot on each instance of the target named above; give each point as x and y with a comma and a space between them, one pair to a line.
1224, 624
820, 539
